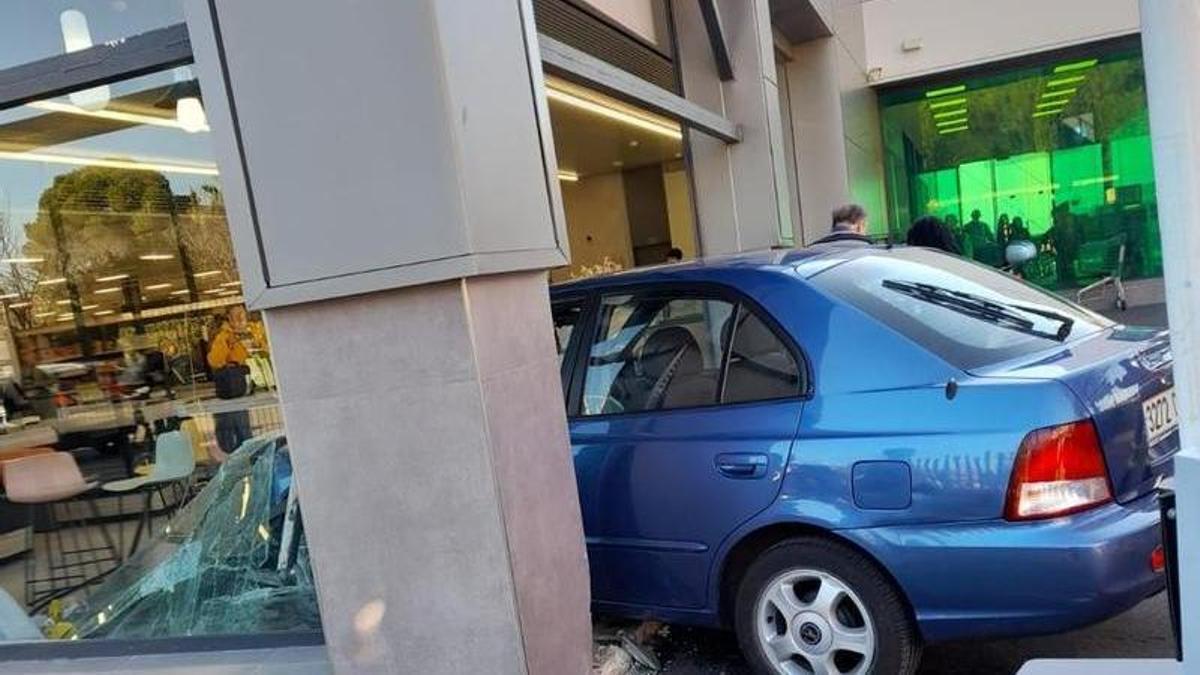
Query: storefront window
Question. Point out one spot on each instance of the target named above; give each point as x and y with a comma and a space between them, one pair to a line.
147, 481
1058, 155
45, 28
625, 186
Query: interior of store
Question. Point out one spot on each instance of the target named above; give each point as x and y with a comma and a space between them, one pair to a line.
625, 186
140, 433
1056, 153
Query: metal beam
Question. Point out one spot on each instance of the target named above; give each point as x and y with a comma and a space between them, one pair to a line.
105, 63
577, 65
716, 39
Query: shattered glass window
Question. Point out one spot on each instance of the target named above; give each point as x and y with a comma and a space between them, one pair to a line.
234, 560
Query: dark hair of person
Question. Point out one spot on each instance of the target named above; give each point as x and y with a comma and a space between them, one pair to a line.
850, 213
930, 232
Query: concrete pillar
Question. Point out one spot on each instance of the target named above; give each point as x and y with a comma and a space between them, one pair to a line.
741, 189
1171, 44
433, 472
818, 134
393, 207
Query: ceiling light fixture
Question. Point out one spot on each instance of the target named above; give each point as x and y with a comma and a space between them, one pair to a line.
584, 99
52, 282
956, 89
113, 277
950, 123
62, 302
182, 291
953, 130
155, 257
1059, 93
156, 287
209, 273
103, 312
232, 283
110, 289
1064, 81
23, 261
114, 115
1078, 65
948, 103
1046, 113
19, 305
567, 176
1052, 104
950, 113
136, 165
189, 113
78, 37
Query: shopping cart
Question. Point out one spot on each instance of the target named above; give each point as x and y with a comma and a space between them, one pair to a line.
1105, 258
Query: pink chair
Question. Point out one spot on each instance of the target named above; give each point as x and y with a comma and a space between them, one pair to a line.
52, 482
44, 478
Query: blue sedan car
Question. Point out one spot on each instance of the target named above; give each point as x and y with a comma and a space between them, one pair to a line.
846, 453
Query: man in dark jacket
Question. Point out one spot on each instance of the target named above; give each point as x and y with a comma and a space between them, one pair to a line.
849, 226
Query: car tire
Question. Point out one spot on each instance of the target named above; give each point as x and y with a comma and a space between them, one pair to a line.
837, 597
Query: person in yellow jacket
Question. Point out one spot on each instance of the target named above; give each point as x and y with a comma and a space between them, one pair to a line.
235, 341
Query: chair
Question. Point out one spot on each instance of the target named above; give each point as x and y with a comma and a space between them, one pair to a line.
46, 481
174, 462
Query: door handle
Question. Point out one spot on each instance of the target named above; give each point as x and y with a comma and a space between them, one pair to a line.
742, 465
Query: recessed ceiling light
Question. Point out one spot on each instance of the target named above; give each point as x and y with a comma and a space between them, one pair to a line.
23, 261
52, 282
110, 289
157, 287
113, 277
151, 257
209, 273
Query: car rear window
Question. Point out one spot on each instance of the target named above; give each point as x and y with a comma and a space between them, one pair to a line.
966, 342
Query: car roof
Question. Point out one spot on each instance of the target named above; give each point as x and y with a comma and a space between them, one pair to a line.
794, 262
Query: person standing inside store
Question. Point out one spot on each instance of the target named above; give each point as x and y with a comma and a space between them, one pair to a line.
930, 232
849, 226
236, 340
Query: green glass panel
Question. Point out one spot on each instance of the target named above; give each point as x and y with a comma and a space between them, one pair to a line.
1062, 146
1079, 177
1023, 190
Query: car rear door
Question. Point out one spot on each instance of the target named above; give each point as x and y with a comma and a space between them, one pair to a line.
686, 405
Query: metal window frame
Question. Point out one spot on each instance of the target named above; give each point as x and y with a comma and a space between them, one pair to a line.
124, 59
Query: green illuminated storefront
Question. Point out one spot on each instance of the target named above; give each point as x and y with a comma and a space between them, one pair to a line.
1056, 152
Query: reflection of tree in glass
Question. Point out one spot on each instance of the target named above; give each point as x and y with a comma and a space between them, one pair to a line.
16, 280
204, 231
96, 222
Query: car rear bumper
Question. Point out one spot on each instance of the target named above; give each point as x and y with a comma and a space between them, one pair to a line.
1001, 579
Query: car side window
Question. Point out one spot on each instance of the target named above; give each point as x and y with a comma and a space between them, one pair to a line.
655, 353
761, 367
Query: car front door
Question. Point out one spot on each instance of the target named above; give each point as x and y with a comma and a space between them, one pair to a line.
685, 405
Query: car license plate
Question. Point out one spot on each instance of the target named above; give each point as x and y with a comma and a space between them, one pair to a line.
1160, 416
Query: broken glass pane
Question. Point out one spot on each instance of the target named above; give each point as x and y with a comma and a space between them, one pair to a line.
233, 560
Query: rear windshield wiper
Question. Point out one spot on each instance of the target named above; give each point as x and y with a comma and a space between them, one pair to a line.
1010, 316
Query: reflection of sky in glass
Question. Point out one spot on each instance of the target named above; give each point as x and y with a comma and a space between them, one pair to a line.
31, 30
23, 182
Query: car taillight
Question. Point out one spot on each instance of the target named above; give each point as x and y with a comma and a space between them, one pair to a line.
1059, 470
